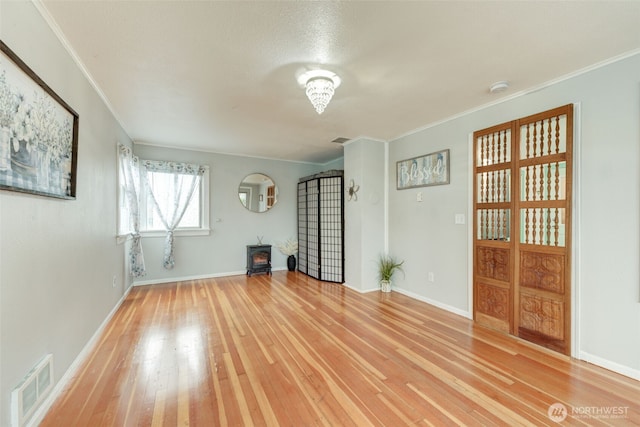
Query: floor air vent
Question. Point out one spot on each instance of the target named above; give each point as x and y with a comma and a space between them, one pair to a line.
30, 393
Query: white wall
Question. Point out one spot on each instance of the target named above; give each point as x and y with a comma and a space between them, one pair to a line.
58, 257
364, 161
337, 164
233, 227
608, 199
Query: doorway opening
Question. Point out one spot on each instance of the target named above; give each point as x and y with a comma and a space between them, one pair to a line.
522, 193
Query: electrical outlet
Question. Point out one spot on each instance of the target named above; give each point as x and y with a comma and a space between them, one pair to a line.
431, 277
419, 196
114, 281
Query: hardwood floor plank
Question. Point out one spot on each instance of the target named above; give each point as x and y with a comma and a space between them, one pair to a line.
292, 351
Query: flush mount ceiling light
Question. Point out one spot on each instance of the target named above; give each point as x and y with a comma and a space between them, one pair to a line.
498, 87
320, 86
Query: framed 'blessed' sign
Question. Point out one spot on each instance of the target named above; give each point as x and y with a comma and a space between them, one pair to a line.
423, 171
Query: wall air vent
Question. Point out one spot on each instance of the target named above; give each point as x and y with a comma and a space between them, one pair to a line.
31, 391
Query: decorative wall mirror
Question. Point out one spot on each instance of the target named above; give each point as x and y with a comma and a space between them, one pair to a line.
258, 192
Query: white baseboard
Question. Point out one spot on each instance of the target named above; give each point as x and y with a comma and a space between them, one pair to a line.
198, 277
438, 304
587, 357
360, 291
186, 278
40, 413
612, 366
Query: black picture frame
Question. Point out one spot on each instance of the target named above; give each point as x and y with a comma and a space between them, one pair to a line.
38, 133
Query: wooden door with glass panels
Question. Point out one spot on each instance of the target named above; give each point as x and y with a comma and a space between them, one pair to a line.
522, 228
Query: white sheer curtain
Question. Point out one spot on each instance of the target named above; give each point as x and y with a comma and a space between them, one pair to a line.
170, 206
130, 173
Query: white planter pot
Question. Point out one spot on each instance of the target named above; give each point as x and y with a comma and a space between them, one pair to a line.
385, 285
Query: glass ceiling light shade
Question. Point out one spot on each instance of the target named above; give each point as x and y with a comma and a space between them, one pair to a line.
320, 86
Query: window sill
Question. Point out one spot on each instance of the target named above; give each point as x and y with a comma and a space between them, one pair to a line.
177, 233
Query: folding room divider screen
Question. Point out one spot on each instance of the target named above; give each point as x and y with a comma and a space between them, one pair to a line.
321, 226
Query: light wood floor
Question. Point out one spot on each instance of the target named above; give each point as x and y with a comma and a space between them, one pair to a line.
289, 350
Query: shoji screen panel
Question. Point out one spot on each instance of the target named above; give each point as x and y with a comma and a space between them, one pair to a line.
313, 258
331, 229
321, 226
303, 242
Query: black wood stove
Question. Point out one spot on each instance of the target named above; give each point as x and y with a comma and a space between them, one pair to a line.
258, 259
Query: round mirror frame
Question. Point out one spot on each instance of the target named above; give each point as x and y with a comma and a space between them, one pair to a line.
257, 192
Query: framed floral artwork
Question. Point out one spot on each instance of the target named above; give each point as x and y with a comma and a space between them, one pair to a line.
422, 171
38, 133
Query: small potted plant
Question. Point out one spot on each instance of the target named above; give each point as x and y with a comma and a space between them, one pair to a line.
387, 266
289, 248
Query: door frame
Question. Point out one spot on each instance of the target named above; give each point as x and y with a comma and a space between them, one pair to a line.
575, 230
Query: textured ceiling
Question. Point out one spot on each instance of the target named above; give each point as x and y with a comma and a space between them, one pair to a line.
221, 75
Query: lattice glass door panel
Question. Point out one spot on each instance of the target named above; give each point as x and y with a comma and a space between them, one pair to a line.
543, 181
302, 227
331, 229
493, 184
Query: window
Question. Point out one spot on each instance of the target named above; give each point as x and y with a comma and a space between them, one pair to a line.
164, 178
195, 220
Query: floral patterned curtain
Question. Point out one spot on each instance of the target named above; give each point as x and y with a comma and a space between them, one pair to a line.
130, 170
186, 177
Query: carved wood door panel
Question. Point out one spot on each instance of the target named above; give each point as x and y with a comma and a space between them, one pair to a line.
528, 233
